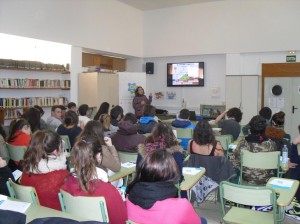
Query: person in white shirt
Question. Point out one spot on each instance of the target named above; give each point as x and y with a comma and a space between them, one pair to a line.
55, 118
83, 111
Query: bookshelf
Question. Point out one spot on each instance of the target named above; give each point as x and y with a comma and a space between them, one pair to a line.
36, 84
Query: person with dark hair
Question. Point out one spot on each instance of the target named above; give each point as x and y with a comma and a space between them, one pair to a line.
266, 113
83, 111
276, 131
44, 167
203, 142
147, 122
33, 116
126, 138
162, 137
20, 134
5, 174
43, 124
3, 151
231, 125
139, 101
103, 109
55, 118
152, 195
116, 115
72, 107
63, 111
86, 155
255, 142
70, 127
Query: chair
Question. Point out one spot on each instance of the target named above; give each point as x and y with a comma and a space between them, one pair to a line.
23, 193
16, 153
259, 160
66, 142
250, 196
91, 208
184, 134
127, 156
225, 140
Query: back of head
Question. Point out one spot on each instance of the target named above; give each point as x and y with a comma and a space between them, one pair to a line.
278, 119
71, 104
62, 107
184, 114
33, 116
266, 113
149, 110
105, 121
130, 117
235, 113
16, 125
40, 109
83, 109
103, 109
93, 128
71, 118
163, 132
203, 133
116, 111
257, 125
42, 144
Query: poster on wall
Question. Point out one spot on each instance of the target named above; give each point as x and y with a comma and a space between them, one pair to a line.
159, 95
171, 95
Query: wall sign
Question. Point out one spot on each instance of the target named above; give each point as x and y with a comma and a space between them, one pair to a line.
291, 58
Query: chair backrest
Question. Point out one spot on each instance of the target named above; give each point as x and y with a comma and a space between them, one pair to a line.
225, 140
91, 208
16, 153
66, 142
127, 156
184, 132
247, 195
23, 193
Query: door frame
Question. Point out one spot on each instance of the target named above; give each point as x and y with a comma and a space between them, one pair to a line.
278, 70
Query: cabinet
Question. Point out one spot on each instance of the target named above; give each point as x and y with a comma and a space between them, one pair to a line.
95, 88
25, 87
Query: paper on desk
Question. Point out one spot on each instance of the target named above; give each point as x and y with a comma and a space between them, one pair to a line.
17, 174
281, 183
16, 206
191, 170
128, 164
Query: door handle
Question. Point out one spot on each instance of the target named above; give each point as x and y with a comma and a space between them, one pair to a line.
294, 108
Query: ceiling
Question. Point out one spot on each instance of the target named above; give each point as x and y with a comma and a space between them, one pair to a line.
158, 4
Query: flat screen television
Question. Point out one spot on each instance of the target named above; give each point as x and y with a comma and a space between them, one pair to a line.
185, 74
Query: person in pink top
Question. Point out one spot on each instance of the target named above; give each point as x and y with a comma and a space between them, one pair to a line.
152, 195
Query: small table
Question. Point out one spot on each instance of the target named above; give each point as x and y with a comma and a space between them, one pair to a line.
124, 172
190, 181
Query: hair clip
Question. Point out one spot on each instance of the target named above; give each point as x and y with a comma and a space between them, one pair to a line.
83, 140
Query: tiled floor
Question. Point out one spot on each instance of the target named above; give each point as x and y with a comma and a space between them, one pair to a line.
212, 212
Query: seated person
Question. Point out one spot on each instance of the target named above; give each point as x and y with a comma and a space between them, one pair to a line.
70, 127
182, 120
85, 182
55, 118
43, 124
231, 125
5, 174
126, 138
20, 134
63, 112
203, 142
44, 167
108, 129
266, 113
116, 115
152, 195
257, 141
147, 122
83, 111
72, 107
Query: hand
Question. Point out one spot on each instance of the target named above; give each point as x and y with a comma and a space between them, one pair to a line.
292, 165
2, 162
108, 141
296, 141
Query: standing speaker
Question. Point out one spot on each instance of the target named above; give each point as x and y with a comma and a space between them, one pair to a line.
150, 68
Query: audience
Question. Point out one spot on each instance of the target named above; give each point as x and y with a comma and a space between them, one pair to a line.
72, 107
152, 195
116, 115
33, 116
147, 122
103, 109
231, 125
43, 124
3, 151
126, 138
105, 120
55, 119
83, 111
5, 174
44, 167
255, 142
70, 127
84, 181
63, 112
203, 142
20, 134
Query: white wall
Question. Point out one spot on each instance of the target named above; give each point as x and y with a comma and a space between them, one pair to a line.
231, 26
105, 25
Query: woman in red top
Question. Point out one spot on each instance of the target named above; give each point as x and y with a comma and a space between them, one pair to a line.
85, 155
44, 167
20, 133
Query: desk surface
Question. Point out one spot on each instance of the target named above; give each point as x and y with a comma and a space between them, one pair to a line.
122, 173
285, 195
190, 180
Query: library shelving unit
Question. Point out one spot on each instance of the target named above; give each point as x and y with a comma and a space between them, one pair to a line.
24, 84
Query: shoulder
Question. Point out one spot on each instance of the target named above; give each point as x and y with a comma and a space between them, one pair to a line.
175, 149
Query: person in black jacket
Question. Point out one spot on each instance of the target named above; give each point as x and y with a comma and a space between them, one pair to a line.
5, 174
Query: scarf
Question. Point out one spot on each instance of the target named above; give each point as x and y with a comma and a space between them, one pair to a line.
158, 144
145, 194
256, 138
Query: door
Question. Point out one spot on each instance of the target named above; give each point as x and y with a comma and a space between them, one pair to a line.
283, 94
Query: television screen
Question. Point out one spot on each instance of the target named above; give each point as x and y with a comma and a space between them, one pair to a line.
185, 74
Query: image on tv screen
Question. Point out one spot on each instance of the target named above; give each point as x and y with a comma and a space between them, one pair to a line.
185, 74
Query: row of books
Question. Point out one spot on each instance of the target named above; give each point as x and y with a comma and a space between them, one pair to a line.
32, 65
13, 113
31, 101
34, 83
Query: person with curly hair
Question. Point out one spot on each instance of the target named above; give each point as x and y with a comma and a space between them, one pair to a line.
231, 125
139, 101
